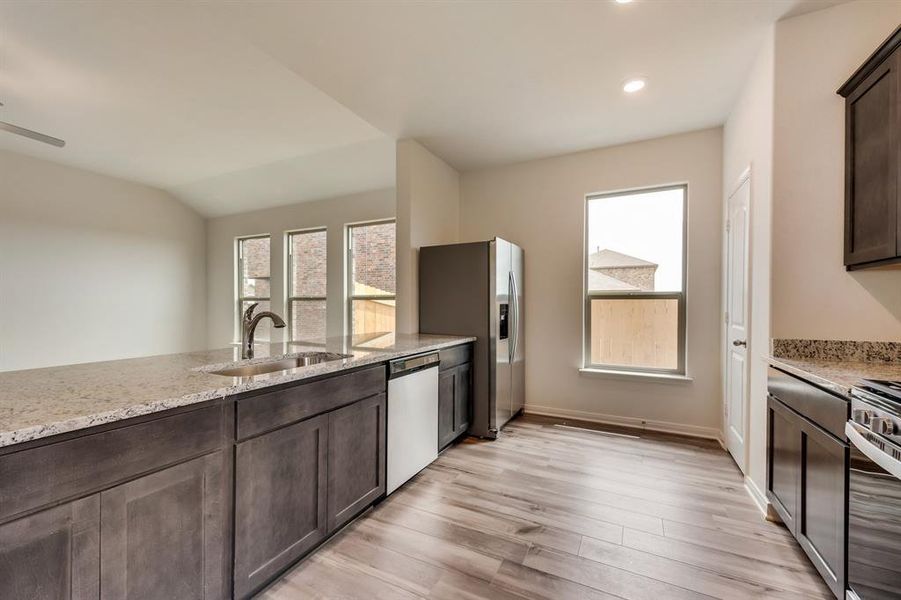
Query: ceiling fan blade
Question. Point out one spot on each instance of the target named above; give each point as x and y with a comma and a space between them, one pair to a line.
32, 134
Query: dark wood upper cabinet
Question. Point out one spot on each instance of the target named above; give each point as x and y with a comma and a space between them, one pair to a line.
873, 159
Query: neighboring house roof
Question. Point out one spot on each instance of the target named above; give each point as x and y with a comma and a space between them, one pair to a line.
610, 259
599, 281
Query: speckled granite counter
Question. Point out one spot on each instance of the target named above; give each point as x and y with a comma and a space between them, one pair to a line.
836, 375
837, 365
39, 403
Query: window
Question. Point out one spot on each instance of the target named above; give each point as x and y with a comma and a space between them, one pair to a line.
635, 280
306, 289
253, 280
371, 277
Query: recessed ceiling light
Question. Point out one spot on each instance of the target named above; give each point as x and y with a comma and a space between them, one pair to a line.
630, 86
623, 1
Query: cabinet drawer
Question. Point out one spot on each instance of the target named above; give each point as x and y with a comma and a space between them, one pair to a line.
826, 410
40, 476
267, 411
452, 357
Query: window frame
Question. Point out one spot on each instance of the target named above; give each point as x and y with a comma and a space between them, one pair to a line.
289, 279
349, 273
239, 279
587, 297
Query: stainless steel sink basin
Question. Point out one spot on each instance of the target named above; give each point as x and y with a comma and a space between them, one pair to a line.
304, 360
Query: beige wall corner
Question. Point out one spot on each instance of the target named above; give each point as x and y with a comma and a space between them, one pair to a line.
428, 213
748, 142
94, 267
813, 295
540, 205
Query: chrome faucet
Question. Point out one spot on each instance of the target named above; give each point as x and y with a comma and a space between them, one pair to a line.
249, 324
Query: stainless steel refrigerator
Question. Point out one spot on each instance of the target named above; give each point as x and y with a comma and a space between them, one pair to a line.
476, 289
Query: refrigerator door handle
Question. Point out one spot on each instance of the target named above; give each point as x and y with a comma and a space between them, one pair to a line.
514, 326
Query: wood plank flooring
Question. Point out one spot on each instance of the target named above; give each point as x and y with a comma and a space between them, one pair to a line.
550, 511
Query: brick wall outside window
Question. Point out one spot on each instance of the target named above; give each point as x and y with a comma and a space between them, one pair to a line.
374, 259
309, 268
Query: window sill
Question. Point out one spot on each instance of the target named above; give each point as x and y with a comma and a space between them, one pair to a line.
635, 375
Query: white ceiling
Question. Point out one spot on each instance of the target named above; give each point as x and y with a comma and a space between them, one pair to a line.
482, 83
156, 92
235, 106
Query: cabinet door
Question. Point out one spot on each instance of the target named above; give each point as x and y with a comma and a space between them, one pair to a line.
446, 399
784, 460
821, 526
280, 500
54, 554
462, 398
356, 459
871, 167
162, 536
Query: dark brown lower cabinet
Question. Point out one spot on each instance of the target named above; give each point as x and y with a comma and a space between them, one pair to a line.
162, 535
447, 381
822, 529
454, 402
784, 453
204, 504
462, 398
53, 554
280, 500
807, 485
356, 459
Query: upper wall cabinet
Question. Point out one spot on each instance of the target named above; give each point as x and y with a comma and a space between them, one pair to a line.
873, 159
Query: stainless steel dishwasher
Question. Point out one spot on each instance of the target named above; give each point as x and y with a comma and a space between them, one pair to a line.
412, 416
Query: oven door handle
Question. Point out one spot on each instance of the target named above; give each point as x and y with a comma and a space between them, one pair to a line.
876, 455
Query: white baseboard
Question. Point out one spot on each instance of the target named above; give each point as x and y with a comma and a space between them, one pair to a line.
757, 496
662, 426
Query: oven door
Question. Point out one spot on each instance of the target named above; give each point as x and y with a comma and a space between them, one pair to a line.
874, 517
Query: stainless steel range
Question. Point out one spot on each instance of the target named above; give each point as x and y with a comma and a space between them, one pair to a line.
874, 498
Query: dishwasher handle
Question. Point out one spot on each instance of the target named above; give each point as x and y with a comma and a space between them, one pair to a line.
412, 364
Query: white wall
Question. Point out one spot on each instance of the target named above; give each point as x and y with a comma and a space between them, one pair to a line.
540, 206
428, 213
94, 268
748, 142
332, 213
813, 295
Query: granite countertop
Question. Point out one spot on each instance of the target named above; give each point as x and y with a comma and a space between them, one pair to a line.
39, 403
836, 375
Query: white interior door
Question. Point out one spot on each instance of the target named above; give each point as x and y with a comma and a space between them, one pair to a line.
737, 327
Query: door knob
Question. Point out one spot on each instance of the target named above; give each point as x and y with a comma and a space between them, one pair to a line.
740, 343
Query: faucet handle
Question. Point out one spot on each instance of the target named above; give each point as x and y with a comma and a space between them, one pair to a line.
248, 312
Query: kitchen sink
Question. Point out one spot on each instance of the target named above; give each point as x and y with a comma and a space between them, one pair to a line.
304, 360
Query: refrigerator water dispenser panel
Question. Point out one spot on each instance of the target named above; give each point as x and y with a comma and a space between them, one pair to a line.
502, 321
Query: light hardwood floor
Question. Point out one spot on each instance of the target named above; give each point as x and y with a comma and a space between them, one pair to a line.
553, 512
